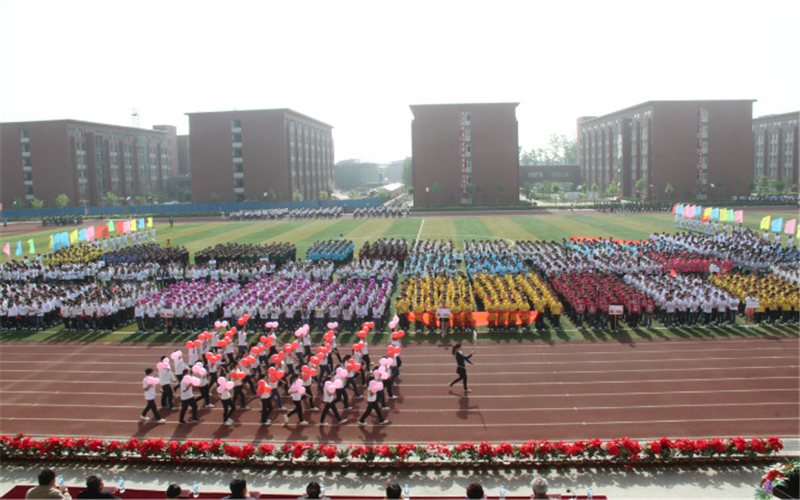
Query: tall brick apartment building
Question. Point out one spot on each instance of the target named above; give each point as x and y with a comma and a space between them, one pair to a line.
461, 144
704, 149
775, 148
84, 160
240, 155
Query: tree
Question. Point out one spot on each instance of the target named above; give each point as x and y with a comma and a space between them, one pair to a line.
763, 185
560, 150
547, 188
668, 190
640, 189
498, 191
382, 194
297, 195
780, 186
62, 200
188, 196
37, 203
323, 195
612, 190
407, 172
556, 190
161, 198
527, 190
111, 199
271, 195
213, 197
437, 190
140, 199
352, 194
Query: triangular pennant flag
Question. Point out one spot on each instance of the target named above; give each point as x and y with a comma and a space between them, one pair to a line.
31, 248
7, 250
777, 225
791, 226
19, 248
111, 227
765, 222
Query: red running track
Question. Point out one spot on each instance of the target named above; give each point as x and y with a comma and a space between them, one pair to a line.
522, 391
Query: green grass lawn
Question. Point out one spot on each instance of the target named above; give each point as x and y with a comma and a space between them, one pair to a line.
196, 236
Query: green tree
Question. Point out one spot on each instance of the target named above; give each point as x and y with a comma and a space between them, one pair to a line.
140, 199
62, 200
323, 195
498, 191
382, 194
161, 198
37, 203
640, 188
407, 173
612, 190
780, 186
297, 195
763, 185
352, 194
751, 186
213, 197
560, 150
188, 196
111, 199
556, 188
527, 190
437, 190
668, 190
271, 195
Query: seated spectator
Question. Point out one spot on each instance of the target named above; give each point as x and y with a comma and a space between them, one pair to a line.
47, 487
175, 491
238, 490
539, 486
94, 489
393, 490
475, 490
313, 490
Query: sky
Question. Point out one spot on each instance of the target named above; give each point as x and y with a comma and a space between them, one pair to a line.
358, 65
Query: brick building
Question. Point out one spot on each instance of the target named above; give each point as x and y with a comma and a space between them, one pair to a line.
471, 150
84, 160
775, 148
703, 149
241, 155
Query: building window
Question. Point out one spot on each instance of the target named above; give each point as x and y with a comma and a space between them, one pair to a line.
26, 148
26, 162
238, 183
468, 134
29, 190
705, 146
468, 117
237, 153
236, 123
23, 134
238, 168
236, 138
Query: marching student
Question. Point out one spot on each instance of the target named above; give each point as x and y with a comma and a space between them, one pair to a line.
187, 397
149, 387
461, 367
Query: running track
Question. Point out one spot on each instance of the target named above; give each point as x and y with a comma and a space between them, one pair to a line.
522, 391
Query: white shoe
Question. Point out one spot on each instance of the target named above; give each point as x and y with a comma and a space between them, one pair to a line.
384, 422
324, 423
229, 421
163, 420
343, 421
142, 417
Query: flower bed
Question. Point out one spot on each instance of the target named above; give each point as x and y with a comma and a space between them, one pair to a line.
616, 451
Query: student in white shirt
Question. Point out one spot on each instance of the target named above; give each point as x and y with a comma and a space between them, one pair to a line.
187, 397
150, 396
372, 405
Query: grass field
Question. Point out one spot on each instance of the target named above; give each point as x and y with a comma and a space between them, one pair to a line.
563, 224
196, 236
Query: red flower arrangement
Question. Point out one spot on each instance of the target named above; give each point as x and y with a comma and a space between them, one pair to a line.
623, 450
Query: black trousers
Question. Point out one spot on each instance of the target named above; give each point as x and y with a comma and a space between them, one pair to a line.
372, 405
151, 406
266, 408
238, 392
227, 409
186, 404
330, 407
166, 396
462, 375
298, 409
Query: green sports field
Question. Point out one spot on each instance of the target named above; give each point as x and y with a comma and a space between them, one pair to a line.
537, 226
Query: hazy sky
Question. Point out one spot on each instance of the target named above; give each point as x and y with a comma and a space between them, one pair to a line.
358, 65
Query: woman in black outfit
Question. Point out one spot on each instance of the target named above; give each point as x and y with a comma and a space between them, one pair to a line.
461, 369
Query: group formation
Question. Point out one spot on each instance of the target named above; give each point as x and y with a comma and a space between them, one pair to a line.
233, 367
382, 212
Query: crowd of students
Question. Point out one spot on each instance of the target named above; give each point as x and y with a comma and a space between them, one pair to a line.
381, 212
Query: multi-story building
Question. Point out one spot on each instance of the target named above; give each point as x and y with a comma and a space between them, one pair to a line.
567, 175
245, 155
702, 149
465, 154
84, 160
775, 148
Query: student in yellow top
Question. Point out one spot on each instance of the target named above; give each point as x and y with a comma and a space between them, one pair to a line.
555, 311
419, 310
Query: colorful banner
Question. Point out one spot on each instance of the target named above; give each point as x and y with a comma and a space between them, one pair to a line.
7, 250
149, 222
82, 234
126, 227
19, 248
765, 222
707, 214
111, 227
715, 214
777, 225
738, 217
90, 233
141, 224
132, 224
791, 226
481, 318
729, 215
73, 237
31, 248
